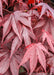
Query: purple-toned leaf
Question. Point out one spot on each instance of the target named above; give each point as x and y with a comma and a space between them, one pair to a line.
19, 58
30, 54
49, 40
14, 67
41, 58
26, 36
15, 45
41, 47
4, 65
45, 7
19, 16
14, 26
6, 27
33, 61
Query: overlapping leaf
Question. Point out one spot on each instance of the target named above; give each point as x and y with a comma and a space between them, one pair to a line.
46, 7
13, 63
49, 39
15, 45
22, 18
27, 34
6, 27
13, 67
13, 22
15, 27
4, 65
33, 53
18, 32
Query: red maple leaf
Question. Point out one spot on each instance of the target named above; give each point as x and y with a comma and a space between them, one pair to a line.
12, 21
33, 54
49, 39
46, 8
6, 62
27, 34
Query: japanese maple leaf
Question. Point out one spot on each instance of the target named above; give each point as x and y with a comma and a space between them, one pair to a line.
15, 45
20, 16
6, 63
1, 13
49, 39
6, 27
49, 26
12, 21
34, 52
15, 27
46, 7
27, 34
